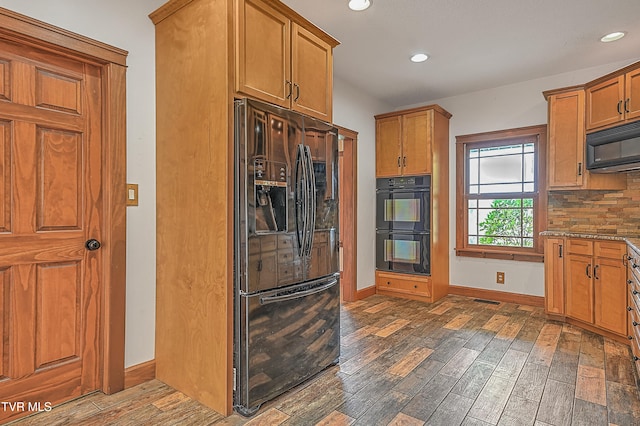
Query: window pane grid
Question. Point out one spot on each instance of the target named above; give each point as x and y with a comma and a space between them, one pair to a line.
500, 169
501, 183
504, 222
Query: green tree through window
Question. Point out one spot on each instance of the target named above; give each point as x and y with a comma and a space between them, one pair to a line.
509, 223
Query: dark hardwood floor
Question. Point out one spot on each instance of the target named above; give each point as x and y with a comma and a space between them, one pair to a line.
458, 361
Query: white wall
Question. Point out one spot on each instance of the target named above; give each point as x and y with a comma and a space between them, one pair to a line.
512, 106
354, 110
124, 24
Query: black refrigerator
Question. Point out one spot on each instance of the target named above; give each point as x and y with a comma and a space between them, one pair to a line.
287, 292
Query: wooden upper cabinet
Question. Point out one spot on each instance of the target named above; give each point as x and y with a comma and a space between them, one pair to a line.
605, 103
566, 160
263, 59
312, 75
566, 139
416, 143
614, 99
632, 94
282, 59
405, 140
388, 146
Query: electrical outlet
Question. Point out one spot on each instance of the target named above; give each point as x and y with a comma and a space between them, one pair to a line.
500, 278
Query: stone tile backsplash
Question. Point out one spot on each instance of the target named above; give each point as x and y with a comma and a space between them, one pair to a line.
597, 212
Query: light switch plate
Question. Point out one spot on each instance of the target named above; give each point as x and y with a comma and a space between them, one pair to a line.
132, 194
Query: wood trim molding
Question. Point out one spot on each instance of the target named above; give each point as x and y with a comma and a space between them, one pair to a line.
139, 373
434, 107
31, 32
365, 292
480, 140
115, 232
167, 9
24, 29
499, 296
350, 231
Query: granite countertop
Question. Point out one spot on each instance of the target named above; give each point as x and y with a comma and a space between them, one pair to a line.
633, 241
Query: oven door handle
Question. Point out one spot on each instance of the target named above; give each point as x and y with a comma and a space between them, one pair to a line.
298, 295
402, 191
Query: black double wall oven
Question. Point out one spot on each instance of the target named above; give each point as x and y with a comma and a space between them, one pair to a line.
403, 238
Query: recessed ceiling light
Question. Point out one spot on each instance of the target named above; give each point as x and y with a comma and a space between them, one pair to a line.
359, 5
612, 37
419, 57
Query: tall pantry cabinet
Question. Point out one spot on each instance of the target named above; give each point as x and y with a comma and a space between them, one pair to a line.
416, 142
201, 55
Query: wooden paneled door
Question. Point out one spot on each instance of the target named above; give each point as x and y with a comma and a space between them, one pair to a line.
50, 206
348, 201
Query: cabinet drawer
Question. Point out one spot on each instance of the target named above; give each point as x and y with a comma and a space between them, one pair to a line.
634, 333
580, 247
404, 284
610, 249
635, 343
285, 256
286, 241
633, 261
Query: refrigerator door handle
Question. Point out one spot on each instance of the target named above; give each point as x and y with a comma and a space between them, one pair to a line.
311, 204
297, 295
300, 199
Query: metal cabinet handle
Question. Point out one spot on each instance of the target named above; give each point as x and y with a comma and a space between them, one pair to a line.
629, 308
579, 169
388, 283
630, 337
560, 251
290, 89
635, 324
635, 265
634, 291
635, 358
629, 282
404, 161
587, 271
297, 86
618, 107
398, 161
595, 272
626, 105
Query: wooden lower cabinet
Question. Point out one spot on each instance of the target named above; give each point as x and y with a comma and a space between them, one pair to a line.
610, 295
590, 276
418, 287
579, 288
633, 304
554, 276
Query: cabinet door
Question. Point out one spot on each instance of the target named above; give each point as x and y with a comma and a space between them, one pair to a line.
312, 71
605, 103
610, 295
388, 150
263, 55
632, 94
554, 276
579, 288
417, 136
566, 139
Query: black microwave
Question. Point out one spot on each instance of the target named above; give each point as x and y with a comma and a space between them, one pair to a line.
614, 150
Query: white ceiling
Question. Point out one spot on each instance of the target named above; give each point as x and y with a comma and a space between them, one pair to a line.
473, 44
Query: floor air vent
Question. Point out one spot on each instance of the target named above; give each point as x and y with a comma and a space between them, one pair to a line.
491, 302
